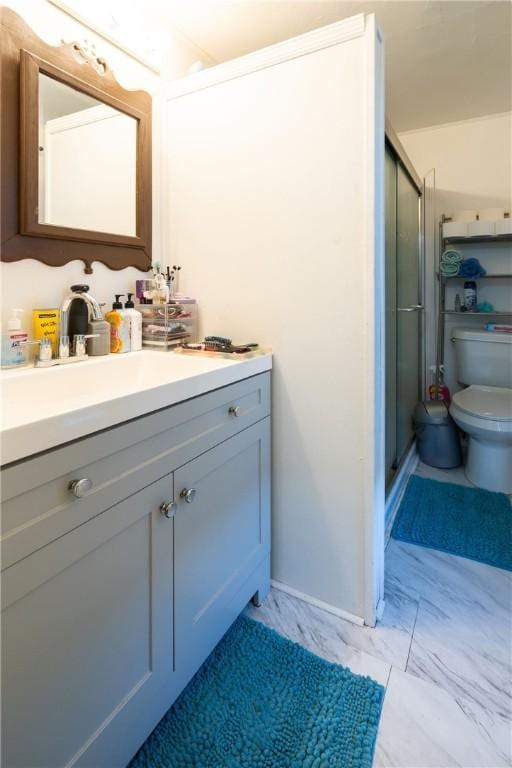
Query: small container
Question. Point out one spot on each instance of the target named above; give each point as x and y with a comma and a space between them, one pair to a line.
470, 297
45, 349
99, 341
166, 326
457, 303
79, 345
63, 347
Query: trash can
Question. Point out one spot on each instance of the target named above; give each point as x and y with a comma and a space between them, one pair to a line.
437, 437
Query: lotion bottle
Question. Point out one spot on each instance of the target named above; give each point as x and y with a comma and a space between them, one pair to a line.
14, 355
119, 327
135, 319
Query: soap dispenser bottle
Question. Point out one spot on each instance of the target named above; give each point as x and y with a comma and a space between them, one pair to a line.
119, 327
13, 347
135, 319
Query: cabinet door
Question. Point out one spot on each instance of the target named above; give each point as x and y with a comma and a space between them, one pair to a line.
87, 638
220, 536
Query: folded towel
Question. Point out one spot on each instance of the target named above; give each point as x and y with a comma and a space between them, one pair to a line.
447, 269
471, 268
450, 256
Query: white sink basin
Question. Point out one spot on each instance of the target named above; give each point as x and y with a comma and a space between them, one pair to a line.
44, 407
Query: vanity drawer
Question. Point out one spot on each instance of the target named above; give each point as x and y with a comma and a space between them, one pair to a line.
38, 505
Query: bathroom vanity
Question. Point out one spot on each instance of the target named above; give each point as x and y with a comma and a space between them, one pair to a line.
129, 545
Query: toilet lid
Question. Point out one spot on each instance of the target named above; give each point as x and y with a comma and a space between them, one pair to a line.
486, 402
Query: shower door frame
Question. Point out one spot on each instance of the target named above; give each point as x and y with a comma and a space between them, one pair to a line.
398, 150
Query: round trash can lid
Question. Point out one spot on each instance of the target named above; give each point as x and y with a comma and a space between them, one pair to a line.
431, 412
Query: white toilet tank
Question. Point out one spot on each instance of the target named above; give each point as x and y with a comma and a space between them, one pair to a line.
483, 357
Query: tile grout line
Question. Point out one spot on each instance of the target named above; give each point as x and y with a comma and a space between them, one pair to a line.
412, 634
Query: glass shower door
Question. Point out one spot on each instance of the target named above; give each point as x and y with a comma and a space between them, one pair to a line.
390, 320
409, 307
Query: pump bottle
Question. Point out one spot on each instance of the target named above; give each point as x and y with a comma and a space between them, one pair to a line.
135, 319
119, 326
13, 349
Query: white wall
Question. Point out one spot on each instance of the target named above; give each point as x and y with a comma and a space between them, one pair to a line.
28, 284
473, 169
271, 184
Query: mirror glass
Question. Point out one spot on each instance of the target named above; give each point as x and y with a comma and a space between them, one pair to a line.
87, 161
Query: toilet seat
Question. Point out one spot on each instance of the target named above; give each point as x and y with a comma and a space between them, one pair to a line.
489, 403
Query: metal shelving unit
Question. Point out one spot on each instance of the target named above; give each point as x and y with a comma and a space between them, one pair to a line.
482, 277
444, 279
477, 239
476, 314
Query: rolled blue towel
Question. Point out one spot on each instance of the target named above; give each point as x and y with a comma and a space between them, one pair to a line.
471, 268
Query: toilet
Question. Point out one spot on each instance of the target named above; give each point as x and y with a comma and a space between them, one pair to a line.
483, 409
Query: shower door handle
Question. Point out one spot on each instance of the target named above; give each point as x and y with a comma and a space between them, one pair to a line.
414, 308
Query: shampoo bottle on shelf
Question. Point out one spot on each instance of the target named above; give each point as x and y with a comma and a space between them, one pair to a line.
135, 319
119, 327
14, 355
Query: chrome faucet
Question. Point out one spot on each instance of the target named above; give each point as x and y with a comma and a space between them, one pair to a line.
93, 308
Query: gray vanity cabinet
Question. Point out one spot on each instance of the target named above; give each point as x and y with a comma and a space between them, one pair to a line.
110, 599
87, 636
221, 534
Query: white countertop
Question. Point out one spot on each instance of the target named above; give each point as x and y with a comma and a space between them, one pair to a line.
45, 407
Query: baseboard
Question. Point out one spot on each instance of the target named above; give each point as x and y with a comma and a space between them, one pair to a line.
397, 490
318, 603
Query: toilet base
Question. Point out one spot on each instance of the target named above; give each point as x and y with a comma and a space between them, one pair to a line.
489, 465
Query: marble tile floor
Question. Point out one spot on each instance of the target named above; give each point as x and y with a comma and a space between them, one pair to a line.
443, 650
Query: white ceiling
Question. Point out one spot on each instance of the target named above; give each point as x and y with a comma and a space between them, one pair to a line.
445, 60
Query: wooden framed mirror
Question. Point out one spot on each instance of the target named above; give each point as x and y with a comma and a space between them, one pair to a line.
76, 156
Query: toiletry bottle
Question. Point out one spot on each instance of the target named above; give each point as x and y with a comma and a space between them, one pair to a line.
119, 327
99, 336
99, 343
135, 319
161, 292
457, 303
14, 355
470, 300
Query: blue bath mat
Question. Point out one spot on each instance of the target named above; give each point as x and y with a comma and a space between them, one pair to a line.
468, 522
261, 700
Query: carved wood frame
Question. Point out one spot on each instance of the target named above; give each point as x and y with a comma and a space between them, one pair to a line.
24, 55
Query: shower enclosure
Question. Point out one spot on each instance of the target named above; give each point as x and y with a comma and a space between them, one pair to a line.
404, 304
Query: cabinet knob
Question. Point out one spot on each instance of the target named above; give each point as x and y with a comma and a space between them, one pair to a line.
235, 410
168, 509
80, 487
188, 494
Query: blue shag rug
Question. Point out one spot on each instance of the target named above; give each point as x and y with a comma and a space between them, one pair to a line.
262, 701
468, 522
